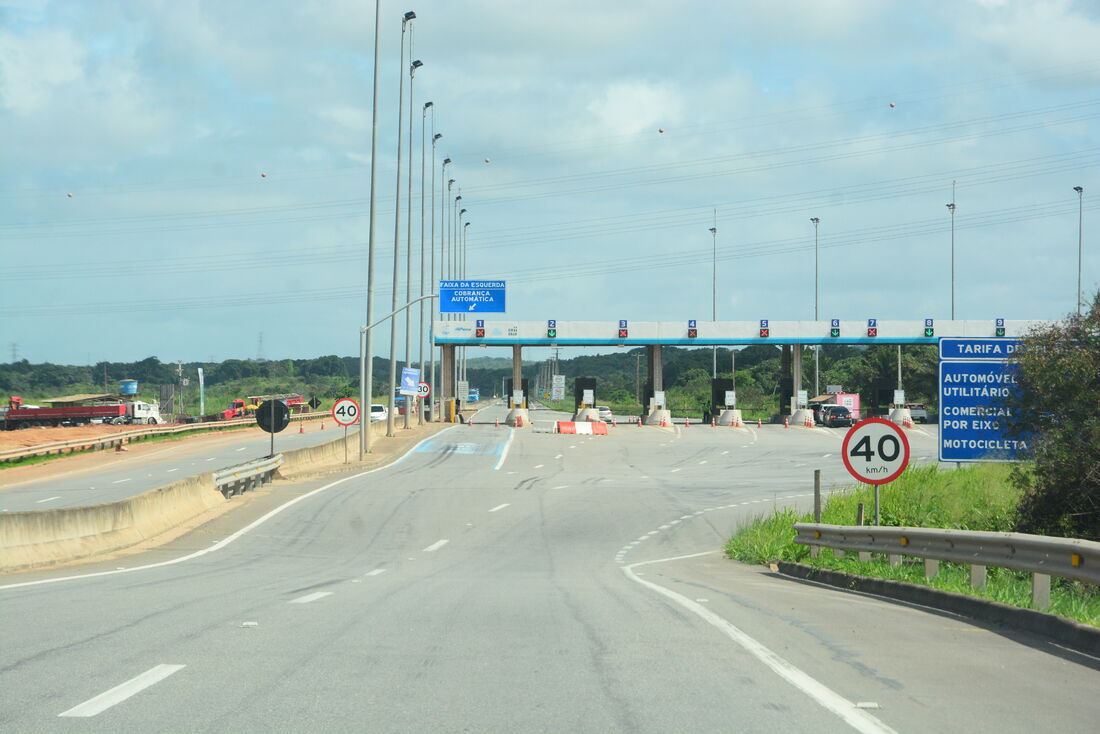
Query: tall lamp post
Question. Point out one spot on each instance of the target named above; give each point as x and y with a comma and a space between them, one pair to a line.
409, 236
423, 254
1080, 221
405, 20
461, 275
432, 284
465, 355
366, 359
817, 347
714, 290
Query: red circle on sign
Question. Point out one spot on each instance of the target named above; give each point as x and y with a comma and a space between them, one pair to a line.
341, 409
865, 423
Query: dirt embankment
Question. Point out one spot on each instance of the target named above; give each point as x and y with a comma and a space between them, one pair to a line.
35, 435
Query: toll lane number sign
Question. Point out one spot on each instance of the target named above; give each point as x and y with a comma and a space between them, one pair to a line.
875, 451
346, 412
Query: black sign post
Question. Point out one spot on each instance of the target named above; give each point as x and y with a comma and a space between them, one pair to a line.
273, 416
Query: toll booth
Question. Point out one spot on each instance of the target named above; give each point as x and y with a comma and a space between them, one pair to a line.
579, 386
719, 386
510, 391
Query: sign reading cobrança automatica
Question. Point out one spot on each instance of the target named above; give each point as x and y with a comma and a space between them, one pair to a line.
471, 296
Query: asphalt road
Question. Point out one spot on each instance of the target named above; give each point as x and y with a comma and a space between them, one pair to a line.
121, 475
501, 580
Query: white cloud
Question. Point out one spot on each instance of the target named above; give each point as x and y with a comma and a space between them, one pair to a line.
633, 106
354, 118
37, 66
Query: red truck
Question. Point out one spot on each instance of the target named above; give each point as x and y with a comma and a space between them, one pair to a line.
18, 415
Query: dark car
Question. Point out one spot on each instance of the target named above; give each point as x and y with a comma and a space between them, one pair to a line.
836, 416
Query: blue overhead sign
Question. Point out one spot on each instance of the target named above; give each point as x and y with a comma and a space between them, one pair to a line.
975, 379
471, 296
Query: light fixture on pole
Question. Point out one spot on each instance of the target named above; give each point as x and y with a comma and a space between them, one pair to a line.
817, 347
366, 358
465, 354
409, 236
432, 285
714, 290
951, 208
461, 276
1080, 222
423, 254
397, 228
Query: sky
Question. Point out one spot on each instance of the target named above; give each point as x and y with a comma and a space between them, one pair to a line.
191, 179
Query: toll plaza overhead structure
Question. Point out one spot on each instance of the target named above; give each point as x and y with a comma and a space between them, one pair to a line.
687, 333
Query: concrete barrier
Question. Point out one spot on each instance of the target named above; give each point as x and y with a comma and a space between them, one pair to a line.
730, 417
40, 538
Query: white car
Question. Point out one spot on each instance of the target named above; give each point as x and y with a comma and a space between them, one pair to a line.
378, 412
605, 413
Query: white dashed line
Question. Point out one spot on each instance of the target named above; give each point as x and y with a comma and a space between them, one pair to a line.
242, 448
121, 692
539, 466
562, 486
310, 597
212, 458
673, 471
559, 456
500, 507
436, 545
120, 481
172, 470
704, 461
375, 572
48, 499
825, 456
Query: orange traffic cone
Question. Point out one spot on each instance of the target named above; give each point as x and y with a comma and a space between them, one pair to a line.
759, 424
301, 428
786, 423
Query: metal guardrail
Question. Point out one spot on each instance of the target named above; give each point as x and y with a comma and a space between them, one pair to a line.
241, 478
1038, 555
110, 440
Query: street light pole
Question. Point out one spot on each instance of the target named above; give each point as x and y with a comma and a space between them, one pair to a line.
409, 235
366, 358
432, 284
817, 347
405, 19
423, 255
951, 208
461, 276
714, 290
1080, 221
465, 354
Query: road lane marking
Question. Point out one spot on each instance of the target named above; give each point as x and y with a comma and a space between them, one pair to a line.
242, 448
832, 701
704, 461
48, 499
238, 534
539, 466
375, 572
172, 470
673, 471
500, 507
559, 456
310, 597
504, 451
562, 486
120, 481
826, 456
212, 458
724, 453
121, 692
436, 545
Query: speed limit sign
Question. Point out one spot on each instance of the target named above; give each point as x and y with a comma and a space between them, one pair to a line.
346, 412
423, 390
875, 451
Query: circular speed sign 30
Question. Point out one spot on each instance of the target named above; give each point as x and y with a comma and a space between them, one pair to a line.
345, 411
423, 390
875, 451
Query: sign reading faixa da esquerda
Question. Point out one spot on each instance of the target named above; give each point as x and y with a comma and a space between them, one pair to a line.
471, 296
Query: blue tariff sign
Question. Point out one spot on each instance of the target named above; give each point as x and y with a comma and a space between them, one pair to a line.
471, 296
975, 380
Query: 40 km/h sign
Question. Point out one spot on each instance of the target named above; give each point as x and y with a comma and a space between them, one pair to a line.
875, 451
346, 411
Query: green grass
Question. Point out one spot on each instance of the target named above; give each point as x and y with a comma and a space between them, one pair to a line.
973, 498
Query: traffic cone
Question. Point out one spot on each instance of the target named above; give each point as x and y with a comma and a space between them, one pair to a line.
759, 424
497, 423
687, 421
786, 423
301, 428
322, 425
713, 422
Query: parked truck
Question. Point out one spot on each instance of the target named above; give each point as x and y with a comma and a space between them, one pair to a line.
19, 415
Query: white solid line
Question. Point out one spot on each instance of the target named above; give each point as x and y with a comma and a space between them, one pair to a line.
375, 572
121, 692
172, 470
120, 481
832, 701
242, 448
48, 499
238, 534
539, 466
500, 507
436, 545
507, 445
310, 597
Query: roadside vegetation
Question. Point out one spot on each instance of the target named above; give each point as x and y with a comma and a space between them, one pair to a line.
981, 497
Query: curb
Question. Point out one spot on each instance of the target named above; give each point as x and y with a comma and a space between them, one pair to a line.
1080, 637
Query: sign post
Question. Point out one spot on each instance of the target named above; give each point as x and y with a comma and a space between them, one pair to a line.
345, 412
875, 451
273, 416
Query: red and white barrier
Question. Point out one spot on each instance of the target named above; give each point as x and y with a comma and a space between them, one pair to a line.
582, 427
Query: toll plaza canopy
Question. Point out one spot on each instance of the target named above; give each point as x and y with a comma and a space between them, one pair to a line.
716, 333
